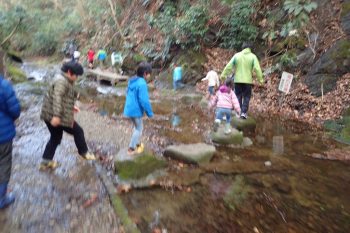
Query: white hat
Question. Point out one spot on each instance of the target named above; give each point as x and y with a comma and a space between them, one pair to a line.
76, 54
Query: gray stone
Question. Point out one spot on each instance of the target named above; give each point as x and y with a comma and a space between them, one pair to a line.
331, 66
247, 142
137, 166
233, 138
191, 98
191, 153
243, 124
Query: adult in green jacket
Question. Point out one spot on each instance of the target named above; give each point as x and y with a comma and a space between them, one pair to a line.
245, 63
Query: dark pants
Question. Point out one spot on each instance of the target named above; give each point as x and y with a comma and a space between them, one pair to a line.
5, 161
243, 92
56, 137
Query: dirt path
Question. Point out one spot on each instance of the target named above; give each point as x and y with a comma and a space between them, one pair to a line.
70, 199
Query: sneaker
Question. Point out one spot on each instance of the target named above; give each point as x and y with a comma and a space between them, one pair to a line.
227, 129
45, 165
89, 156
140, 148
216, 125
244, 115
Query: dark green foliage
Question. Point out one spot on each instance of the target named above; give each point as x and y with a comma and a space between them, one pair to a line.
10, 19
239, 24
192, 26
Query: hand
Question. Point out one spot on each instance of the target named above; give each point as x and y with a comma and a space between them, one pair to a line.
55, 121
76, 109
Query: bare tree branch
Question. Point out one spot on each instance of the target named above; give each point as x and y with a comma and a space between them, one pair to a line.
113, 13
11, 34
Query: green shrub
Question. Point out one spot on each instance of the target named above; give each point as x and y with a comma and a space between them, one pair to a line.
192, 26
239, 24
46, 39
288, 59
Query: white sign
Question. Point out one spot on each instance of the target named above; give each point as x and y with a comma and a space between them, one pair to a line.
286, 82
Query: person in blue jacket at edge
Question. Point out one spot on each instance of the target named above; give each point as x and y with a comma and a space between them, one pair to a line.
137, 103
9, 112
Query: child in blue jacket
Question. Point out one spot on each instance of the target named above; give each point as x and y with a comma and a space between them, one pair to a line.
137, 103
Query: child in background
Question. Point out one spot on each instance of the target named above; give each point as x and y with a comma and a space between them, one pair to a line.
225, 100
213, 81
177, 77
137, 103
90, 58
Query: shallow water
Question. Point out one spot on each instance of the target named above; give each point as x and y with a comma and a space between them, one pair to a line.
295, 194
272, 186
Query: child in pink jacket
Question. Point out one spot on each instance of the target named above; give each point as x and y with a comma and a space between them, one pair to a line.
225, 100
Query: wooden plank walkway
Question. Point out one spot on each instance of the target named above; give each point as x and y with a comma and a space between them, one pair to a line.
107, 75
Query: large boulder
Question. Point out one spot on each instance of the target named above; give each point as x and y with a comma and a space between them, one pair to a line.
137, 166
331, 66
243, 124
191, 153
233, 138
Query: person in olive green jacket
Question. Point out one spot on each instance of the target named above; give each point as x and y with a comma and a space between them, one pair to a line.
58, 114
245, 63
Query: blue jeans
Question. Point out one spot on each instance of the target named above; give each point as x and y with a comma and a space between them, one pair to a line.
136, 135
211, 90
221, 112
177, 84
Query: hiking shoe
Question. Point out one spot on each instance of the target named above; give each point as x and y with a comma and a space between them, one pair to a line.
244, 115
140, 148
89, 156
7, 200
227, 129
45, 165
216, 125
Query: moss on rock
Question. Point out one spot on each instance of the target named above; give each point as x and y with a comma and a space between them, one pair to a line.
140, 167
234, 138
243, 124
345, 9
16, 74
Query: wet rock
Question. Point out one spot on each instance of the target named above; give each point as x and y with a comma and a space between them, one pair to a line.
138, 166
247, 142
332, 65
283, 187
235, 168
191, 98
191, 153
243, 124
237, 193
204, 103
233, 138
16, 74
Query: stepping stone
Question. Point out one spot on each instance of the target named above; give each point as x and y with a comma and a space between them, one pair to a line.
137, 166
233, 138
242, 124
191, 153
